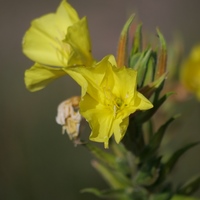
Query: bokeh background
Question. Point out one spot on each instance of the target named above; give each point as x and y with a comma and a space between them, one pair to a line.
37, 162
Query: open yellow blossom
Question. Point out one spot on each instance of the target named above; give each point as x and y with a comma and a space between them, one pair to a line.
56, 41
110, 98
190, 72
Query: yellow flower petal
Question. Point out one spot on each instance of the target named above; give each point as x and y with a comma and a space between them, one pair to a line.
99, 118
142, 102
71, 71
94, 75
59, 40
119, 128
43, 41
110, 98
66, 14
190, 72
38, 76
79, 39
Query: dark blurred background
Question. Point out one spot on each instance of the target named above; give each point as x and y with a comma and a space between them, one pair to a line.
37, 161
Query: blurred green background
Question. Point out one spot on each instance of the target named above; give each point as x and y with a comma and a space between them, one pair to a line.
37, 161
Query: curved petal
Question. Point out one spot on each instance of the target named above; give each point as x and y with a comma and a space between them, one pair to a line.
125, 82
141, 102
66, 15
38, 76
43, 42
94, 77
78, 77
99, 118
120, 127
79, 39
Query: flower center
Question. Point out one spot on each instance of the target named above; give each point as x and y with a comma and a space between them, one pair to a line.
113, 102
118, 102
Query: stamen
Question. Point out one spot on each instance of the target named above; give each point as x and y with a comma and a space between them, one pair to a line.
115, 110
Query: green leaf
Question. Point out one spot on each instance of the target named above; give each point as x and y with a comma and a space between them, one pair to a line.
94, 191
113, 177
101, 154
120, 194
158, 136
168, 166
133, 140
156, 140
190, 187
116, 162
148, 173
162, 196
121, 157
180, 197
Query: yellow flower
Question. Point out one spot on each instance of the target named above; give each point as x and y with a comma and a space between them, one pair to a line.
56, 41
110, 98
190, 72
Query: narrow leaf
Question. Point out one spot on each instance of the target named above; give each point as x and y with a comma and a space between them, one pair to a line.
156, 140
121, 194
180, 197
114, 178
101, 154
190, 187
168, 166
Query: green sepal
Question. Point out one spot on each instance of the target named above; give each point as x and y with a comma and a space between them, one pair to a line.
122, 50
142, 67
135, 60
137, 41
190, 187
149, 89
162, 58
